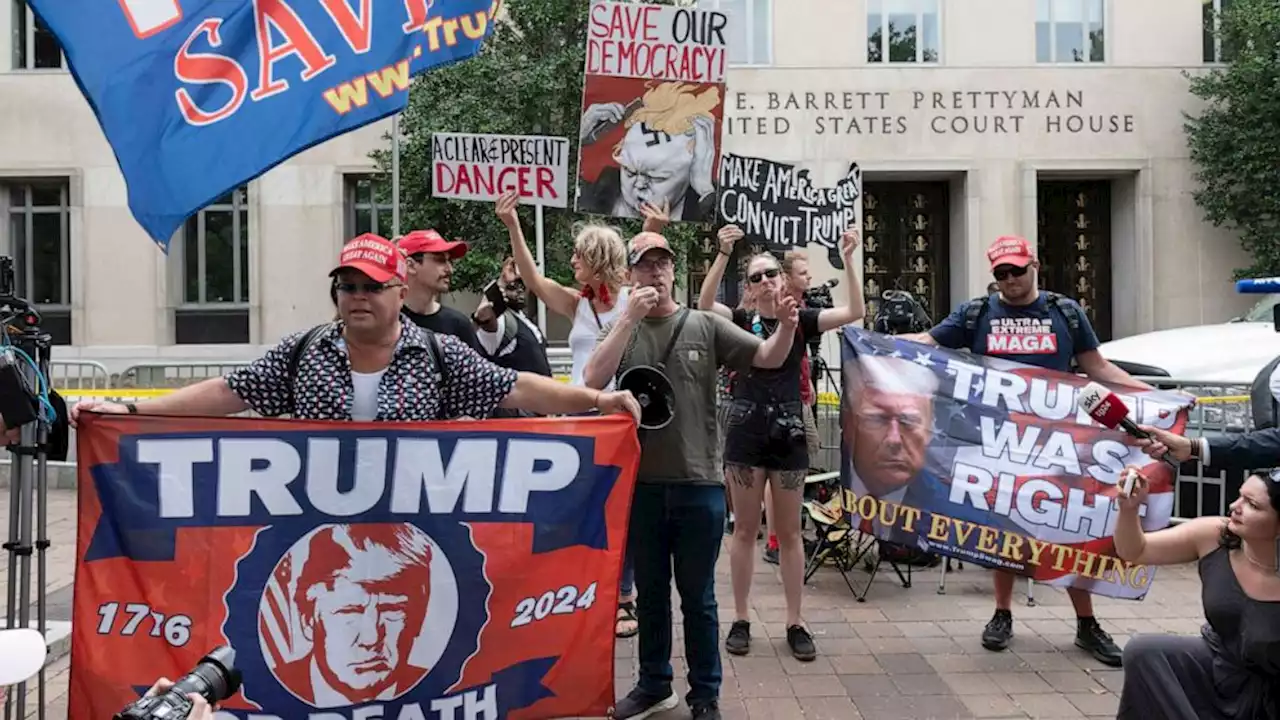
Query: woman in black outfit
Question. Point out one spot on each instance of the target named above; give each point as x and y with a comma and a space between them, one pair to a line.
765, 439
1231, 671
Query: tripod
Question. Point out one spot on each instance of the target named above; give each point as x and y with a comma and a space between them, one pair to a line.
21, 339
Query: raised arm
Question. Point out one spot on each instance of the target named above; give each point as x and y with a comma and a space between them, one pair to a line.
728, 236
558, 298
1177, 544
855, 308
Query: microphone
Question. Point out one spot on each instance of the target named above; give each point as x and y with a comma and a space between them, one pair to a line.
1106, 409
1258, 286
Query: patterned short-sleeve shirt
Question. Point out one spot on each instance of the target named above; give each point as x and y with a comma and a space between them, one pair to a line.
410, 390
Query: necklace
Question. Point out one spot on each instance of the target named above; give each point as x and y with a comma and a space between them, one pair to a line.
1253, 561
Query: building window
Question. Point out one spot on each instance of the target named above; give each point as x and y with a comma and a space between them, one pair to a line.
1211, 11
750, 31
366, 206
1070, 31
39, 241
902, 31
34, 47
214, 257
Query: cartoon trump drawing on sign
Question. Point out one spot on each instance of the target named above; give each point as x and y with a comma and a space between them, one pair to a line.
349, 626
659, 148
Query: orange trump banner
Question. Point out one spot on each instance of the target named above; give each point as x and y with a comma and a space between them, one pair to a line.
359, 570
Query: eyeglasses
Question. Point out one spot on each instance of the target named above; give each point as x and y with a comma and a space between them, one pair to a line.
661, 263
1003, 273
770, 273
372, 288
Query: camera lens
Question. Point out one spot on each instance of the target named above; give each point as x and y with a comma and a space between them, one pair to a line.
215, 678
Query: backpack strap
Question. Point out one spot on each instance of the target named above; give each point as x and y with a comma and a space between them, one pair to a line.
1070, 311
973, 312
510, 326
295, 359
437, 357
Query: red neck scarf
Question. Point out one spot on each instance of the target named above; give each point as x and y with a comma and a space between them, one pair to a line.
591, 293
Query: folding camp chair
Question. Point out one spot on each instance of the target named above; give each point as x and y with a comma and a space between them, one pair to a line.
843, 546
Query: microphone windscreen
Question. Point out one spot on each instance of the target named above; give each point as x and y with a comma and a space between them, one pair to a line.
1102, 405
1258, 285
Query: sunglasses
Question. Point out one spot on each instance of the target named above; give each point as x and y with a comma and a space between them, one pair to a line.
770, 273
372, 288
1005, 273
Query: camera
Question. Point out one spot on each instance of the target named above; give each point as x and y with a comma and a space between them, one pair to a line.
215, 678
819, 298
787, 428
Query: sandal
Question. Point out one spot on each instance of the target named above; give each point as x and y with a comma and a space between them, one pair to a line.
626, 625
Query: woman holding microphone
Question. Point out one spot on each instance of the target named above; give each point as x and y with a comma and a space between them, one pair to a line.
1232, 669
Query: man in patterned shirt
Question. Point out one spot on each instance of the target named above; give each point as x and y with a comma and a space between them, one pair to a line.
373, 364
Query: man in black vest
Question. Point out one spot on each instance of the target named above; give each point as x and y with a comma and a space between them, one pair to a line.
506, 336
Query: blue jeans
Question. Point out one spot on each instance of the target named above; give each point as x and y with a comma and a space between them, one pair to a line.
678, 527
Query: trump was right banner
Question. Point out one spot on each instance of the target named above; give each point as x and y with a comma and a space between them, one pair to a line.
991, 461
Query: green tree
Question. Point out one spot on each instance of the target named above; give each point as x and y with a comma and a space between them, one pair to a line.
527, 81
1235, 140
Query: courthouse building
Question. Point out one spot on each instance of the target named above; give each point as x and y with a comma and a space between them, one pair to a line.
1060, 120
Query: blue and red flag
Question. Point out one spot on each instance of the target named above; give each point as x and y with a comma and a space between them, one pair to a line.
357, 569
989, 460
197, 97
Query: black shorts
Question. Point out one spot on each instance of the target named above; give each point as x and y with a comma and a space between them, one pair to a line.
752, 441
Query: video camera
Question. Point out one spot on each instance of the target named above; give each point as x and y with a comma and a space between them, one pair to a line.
215, 678
23, 388
819, 298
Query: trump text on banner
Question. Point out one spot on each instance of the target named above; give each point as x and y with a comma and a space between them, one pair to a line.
466, 166
358, 570
991, 461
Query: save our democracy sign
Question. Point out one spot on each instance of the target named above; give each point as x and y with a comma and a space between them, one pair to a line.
359, 570
200, 96
777, 205
992, 462
467, 166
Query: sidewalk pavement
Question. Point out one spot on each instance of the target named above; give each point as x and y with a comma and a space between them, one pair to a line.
905, 653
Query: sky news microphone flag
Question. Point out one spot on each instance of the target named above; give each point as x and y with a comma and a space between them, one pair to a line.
360, 570
197, 97
991, 461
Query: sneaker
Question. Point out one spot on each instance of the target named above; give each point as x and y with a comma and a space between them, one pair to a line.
999, 631
771, 555
800, 640
706, 711
739, 640
640, 704
1091, 638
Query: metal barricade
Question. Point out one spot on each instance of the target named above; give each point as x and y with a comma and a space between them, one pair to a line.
78, 375
561, 361
173, 375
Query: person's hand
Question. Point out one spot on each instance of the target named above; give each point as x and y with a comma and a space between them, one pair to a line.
505, 208
788, 312
848, 243
101, 406
1163, 442
642, 300
599, 115
618, 402
1138, 494
704, 154
484, 315
200, 708
729, 235
656, 217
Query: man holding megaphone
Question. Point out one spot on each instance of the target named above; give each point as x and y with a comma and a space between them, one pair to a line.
672, 355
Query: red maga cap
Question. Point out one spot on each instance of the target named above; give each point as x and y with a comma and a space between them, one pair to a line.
1010, 250
374, 256
430, 241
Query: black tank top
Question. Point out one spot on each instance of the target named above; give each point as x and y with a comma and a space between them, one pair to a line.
1245, 636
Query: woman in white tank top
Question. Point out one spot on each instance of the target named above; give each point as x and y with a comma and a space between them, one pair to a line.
600, 270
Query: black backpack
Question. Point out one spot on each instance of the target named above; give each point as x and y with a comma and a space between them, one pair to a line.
1262, 404
977, 307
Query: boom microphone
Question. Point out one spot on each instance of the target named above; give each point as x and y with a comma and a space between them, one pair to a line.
1258, 286
836, 281
1106, 409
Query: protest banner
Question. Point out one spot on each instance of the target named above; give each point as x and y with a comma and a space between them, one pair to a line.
778, 206
466, 166
992, 462
652, 104
359, 570
199, 97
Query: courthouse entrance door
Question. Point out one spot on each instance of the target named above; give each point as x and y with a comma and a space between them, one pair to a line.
905, 243
1074, 226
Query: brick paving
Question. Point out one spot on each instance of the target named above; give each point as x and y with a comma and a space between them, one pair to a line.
905, 653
